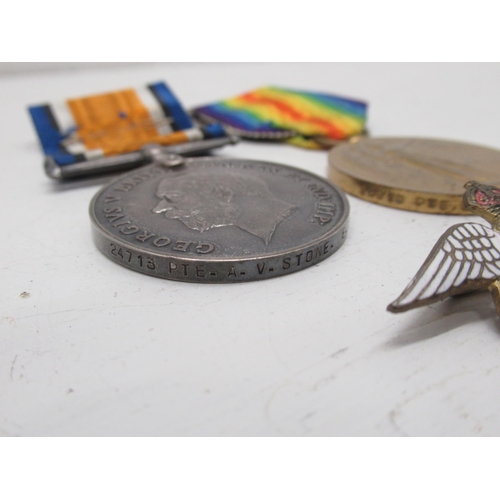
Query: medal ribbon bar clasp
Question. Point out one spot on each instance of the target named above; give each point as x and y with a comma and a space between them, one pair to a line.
115, 131
120, 163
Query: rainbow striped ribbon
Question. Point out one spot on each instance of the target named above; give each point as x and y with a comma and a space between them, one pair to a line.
307, 119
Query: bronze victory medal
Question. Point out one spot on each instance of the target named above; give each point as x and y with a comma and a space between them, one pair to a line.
422, 175
213, 220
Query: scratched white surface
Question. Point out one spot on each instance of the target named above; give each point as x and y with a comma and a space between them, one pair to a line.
90, 348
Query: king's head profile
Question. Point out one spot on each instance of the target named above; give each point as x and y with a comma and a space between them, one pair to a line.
204, 200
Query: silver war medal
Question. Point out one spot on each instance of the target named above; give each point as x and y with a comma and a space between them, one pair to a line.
218, 220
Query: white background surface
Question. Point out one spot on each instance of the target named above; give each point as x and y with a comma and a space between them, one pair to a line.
96, 349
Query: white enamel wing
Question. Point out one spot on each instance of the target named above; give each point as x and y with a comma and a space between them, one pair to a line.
465, 258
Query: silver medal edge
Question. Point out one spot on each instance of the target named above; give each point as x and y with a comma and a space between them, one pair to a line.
104, 240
